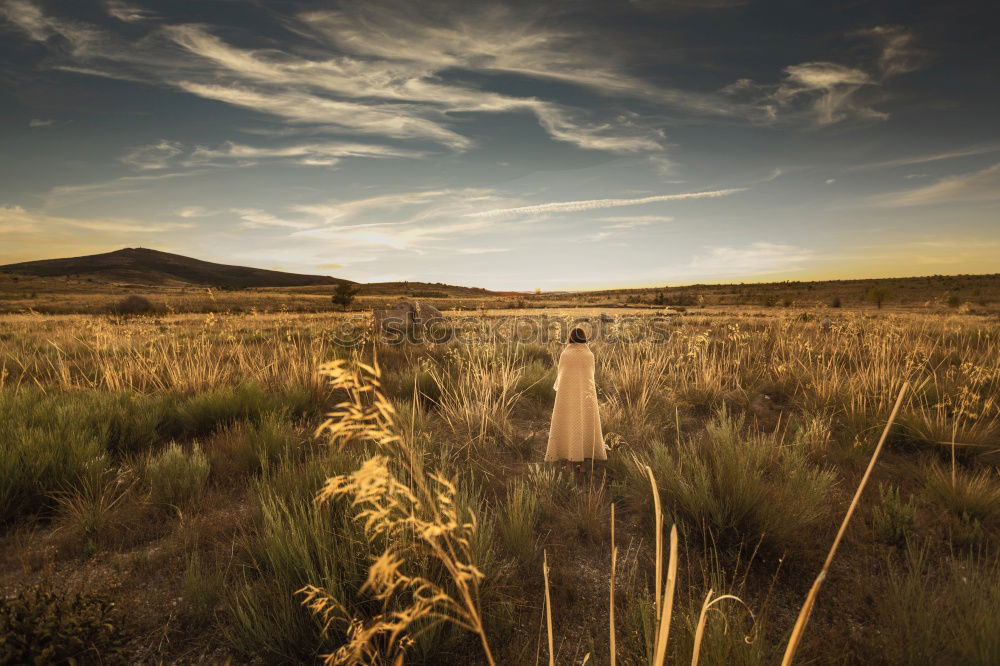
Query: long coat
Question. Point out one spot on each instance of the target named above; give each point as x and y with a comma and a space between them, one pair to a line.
575, 433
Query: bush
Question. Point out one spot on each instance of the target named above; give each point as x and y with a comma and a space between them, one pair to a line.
39, 627
177, 478
835, 303
133, 305
743, 487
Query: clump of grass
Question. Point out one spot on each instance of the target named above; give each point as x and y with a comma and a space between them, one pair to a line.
41, 452
552, 486
892, 517
201, 588
86, 508
294, 542
177, 477
971, 496
478, 392
932, 612
744, 486
519, 520
586, 514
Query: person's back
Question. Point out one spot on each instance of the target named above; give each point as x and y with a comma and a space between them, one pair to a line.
575, 434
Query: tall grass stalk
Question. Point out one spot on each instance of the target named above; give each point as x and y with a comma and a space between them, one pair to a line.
417, 514
548, 607
611, 606
806, 610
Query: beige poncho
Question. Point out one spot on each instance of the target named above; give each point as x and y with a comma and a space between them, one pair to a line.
576, 422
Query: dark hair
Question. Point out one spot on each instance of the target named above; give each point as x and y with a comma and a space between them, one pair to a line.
578, 335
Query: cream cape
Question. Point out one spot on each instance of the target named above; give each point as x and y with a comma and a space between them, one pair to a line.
575, 433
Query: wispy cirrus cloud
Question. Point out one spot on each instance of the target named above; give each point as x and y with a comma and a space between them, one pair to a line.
164, 154
632, 221
594, 204
17, 219
400, 95
825, 93
979, 186
158, 155
754, 259
926, 158
254, 218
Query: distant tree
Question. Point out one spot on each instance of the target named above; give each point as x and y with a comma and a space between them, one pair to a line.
879, 294
133, 305
835, 303
344, 295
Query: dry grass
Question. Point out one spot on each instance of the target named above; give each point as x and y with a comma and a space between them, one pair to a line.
455, 516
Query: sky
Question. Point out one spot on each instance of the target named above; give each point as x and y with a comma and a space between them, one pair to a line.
536, 145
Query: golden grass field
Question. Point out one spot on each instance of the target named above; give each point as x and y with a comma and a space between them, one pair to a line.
159, 476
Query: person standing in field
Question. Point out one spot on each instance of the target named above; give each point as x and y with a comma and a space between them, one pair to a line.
575, 434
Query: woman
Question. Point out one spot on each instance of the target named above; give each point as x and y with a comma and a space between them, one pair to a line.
575, 434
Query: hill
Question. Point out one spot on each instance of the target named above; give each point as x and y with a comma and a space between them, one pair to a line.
155, 268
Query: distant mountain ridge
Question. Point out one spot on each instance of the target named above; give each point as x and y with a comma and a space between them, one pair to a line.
152, 267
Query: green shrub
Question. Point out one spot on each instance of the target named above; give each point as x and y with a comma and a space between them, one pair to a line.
892, 518
176, 477
43, 627
133, 305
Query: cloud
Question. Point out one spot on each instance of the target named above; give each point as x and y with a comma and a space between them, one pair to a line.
831, 89
16, 220
384, 77
337, 211
194, 211
254, 218
482, 250
980, 186
66, 195
311, 154
128, 13
393, 121
39, 122
931, 157
754, 259
20, 220
594, 204
900, 54
630, 222
154, 156
825, 93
